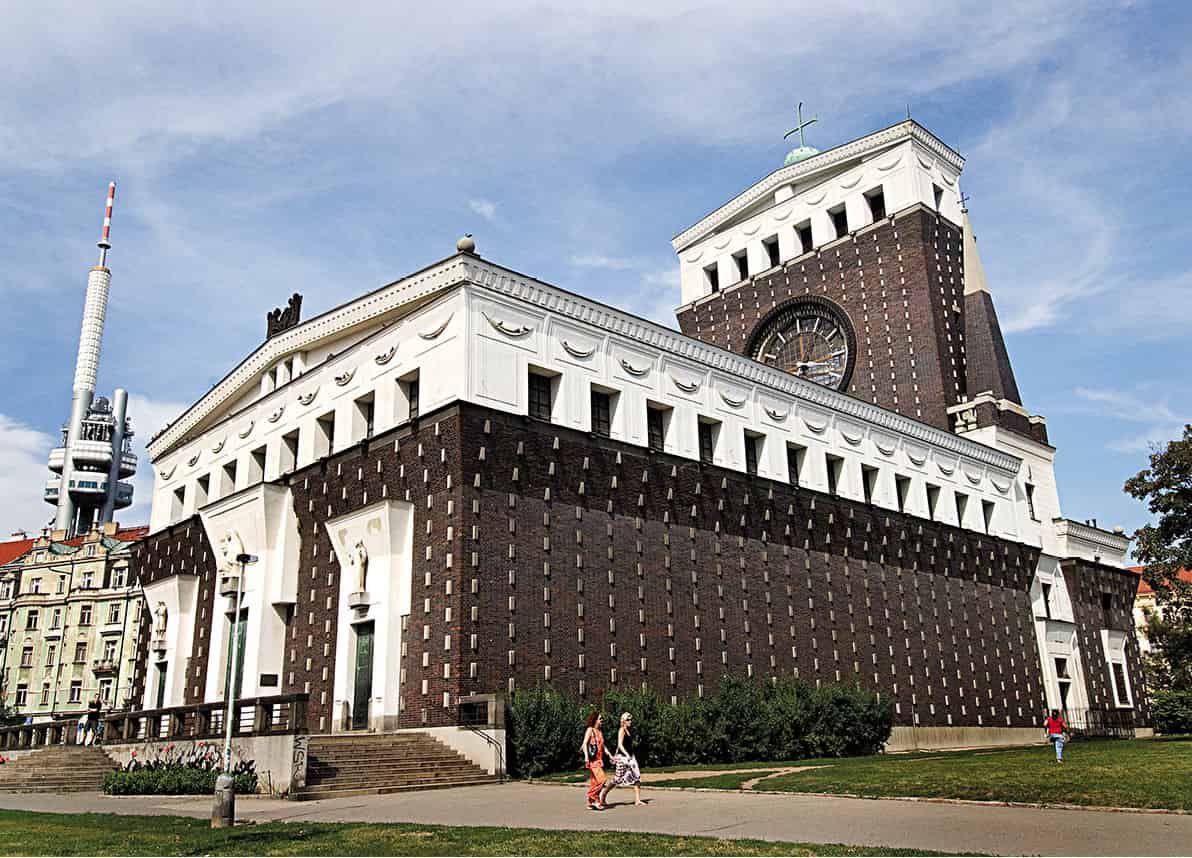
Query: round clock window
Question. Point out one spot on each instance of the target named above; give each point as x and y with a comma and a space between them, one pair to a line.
809, 337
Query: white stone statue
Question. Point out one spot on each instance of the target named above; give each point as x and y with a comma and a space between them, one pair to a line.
358, 557
160, 618
230, 547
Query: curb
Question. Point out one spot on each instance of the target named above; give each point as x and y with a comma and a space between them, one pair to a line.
1097, 808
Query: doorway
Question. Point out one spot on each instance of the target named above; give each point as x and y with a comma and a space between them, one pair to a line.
363, 676
161, 685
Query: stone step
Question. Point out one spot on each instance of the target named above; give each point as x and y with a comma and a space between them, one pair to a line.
66, 768
321, 768
374, 776
322, 792
385, 759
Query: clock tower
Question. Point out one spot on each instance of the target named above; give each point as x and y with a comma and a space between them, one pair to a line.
848, 268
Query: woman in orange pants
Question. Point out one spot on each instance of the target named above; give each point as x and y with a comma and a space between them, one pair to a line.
593, 753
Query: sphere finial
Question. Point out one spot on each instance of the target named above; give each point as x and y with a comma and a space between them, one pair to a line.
466, 244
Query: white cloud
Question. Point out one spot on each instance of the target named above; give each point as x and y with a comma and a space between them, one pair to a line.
23, 473
485, 208
597, 260
1162, 422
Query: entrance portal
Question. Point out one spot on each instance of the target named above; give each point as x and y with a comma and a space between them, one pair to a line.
362, 683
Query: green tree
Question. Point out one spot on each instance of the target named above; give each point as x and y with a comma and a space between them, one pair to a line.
1165, 547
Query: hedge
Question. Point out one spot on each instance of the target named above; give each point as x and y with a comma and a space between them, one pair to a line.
173, 781
742, 720
1171, 711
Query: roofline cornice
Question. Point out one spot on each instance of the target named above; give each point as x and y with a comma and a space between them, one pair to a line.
428, 281
549, 298
905, 130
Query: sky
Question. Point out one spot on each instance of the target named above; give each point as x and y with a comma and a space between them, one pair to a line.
263, 149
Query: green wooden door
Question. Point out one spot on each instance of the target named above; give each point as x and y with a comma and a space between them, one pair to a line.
236, 637
363, 680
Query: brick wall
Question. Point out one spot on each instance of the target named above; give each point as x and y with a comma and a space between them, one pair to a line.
901, 283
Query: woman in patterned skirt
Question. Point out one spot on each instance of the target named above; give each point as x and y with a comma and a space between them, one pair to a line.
628, 773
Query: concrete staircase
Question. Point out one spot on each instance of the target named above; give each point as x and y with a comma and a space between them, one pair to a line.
60, 768
371, 764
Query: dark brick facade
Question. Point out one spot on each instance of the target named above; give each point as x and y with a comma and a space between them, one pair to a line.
901, 281
1091, 586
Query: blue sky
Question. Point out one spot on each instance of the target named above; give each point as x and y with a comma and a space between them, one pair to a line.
327, 150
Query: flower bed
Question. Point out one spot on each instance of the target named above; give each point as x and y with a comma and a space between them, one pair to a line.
176, 770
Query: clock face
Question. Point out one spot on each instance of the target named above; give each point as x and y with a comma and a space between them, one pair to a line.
808, 337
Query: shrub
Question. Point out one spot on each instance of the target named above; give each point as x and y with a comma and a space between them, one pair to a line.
742, 720
1171, 711
175, 770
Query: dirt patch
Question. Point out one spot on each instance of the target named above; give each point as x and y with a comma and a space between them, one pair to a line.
654, 777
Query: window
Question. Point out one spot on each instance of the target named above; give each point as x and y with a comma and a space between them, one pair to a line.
933, 500
1046, 588
22, 695
119, 576
80, 655
656, 420
741, 261
987, 515
88, 579
256, 466
712, 277
540, 401
707, 442
839, 220
938, 193
803, 236
795, 457
45, 694
771, 247
1121, 690
27, 656
177, 503
85, 615
51, 654
835, 472
1030, 501
1061, 668
365, 414
325, 435
76, 691
32, 620
1106, 601
877, 204
602, 413
410, 390
961, 507
114, 612
3, 624
62, 580
105, 690
34, 585
109, 650
753, 445
902, 487
289, 452
202, 490
56, 619
6, 590
869, 476
229, 479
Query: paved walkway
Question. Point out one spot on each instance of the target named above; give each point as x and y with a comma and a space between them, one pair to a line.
814, 819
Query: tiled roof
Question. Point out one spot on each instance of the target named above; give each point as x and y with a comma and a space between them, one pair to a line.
10, 551
1144, 588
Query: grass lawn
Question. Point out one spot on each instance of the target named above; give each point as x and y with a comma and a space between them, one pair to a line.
24, 833
1154, 773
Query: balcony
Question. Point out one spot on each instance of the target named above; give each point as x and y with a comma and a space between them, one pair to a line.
95, 454
104, 666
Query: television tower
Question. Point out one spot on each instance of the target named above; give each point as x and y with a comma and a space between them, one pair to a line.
94, 456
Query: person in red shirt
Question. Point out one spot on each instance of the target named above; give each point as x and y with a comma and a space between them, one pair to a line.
1054, 728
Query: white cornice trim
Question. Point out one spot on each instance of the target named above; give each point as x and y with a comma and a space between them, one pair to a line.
1066, 527
443, 275
907, 130
549, 298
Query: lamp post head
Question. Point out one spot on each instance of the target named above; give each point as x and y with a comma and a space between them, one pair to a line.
245, 559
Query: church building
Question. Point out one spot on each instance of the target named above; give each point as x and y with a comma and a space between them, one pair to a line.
470, 481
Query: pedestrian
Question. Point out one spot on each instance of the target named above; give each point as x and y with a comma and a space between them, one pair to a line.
1054, 727
94, 708
593, 751
627, 773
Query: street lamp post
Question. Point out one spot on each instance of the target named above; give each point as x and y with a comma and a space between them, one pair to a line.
223, 815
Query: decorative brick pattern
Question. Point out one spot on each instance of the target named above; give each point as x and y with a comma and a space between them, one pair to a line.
901, 282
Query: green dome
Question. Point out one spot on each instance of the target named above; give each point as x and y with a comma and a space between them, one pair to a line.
800, 154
